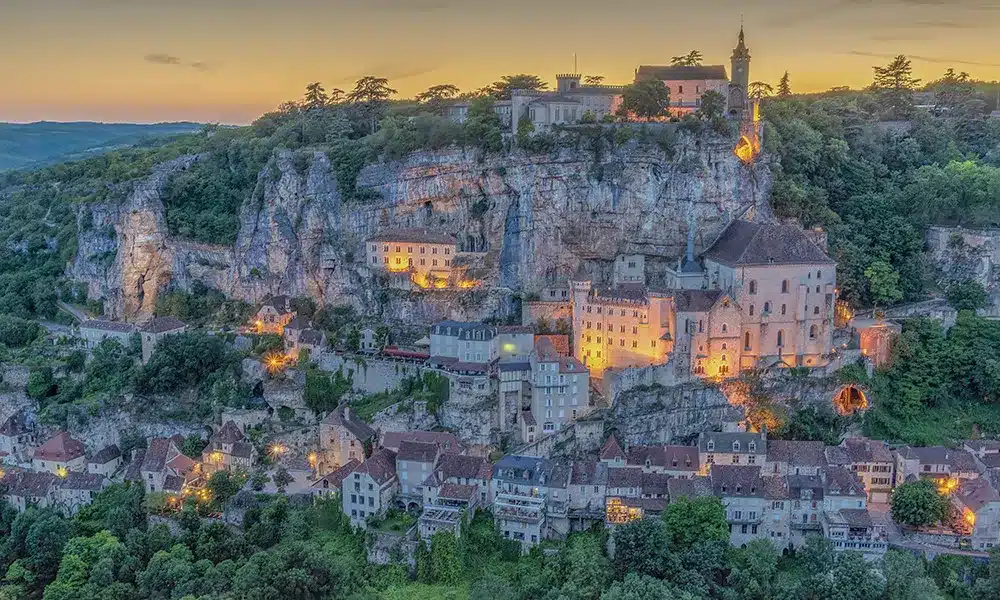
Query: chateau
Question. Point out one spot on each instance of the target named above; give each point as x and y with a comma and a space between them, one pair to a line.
761, 292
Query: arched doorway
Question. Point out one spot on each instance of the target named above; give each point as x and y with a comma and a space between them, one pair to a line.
850, 399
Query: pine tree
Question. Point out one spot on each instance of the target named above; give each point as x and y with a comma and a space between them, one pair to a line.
784, 87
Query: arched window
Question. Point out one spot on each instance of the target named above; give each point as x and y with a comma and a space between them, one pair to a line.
767, 308
753, 288
781, 339
784, 309
725, 328
736, 446
813, 331
724, 347
816, 310
746, 341
751, 310
819, 274
784, 286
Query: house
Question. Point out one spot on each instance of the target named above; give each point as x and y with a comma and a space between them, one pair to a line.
165, 468
426, 255
228, 450
846, 520
528, 425
588, 486
414, 462
313, 341
787, 457
155, 330
60, 455
463, 470
343, 437
77, 490
560, 387
978, 501
105, 462
519, 491
943, 465
611, 452
299, 335
17, 435
273, 315
732, 448
454, 343
96, 331
369, 342
29, 488
331, 483
449, 503
871, 460
747, 497
444, 440
675, 461
368, 490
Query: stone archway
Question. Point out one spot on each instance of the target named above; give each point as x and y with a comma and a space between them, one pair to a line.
849, 399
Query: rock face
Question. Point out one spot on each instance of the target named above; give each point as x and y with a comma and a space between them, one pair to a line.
525, 222
657, 414
967, 254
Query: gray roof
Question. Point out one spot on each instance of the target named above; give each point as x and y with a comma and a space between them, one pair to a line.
463, 466
414, 235
417, 451
344, 417
959, 460
465, 330
672, 73
696, 300
625, 477
589, 472
856, 517
82, 481
730, 480
312, 337
103, 325
133, 471
841, 482
865, 450
523, 470
674, 458
746, 244
229, 433
724, 442
15, 425
692, 487
163, 325
797, 453
29, 483
105, 455
298, 324
279, 303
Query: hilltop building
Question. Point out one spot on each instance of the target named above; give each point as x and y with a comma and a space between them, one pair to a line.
426, 255
96, 331
273, 315
157, 329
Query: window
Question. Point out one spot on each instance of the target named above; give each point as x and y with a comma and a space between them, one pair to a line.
751, 459
746, 341
819, 274
813, 331
397, 249
701, 326
635, 330
736, 446
751, 310
621, 341
781, 339
767, 308
752, 446
711, 445
725, 328
753, 288
652, 343
784, 287
784, 309
635, 343
724, 347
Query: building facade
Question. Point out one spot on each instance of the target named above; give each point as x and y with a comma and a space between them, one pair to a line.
343, 437
426, 255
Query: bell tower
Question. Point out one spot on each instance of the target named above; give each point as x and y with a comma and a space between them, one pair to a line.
739, 83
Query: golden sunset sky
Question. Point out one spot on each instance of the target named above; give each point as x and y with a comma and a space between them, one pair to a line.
231, 60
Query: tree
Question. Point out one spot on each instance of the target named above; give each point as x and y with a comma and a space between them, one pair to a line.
281, 479
41, 383
224, 485
646, 99
437, 97
760, 89
17, 333
691, 59
446, 565
968, 295
784, 86
371, 95
259, 479
641, 547
918, 503
699, 520
894, 85
315, 96
755, 570
501, 90
643, 587
905, 578
883, 283
713, 104
483, 127
593, 79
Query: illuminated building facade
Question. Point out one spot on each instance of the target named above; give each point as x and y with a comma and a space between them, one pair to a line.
228, 450
273, 315
978, 503
425, 254
343, 437
560, 387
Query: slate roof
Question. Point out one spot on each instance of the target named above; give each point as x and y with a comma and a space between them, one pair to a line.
465, 330
797, 483
724, 442
343, 416
674, 458
173, 483
515, 329
555, 98
987, 446
60, 448
417, 451
380, 466
696, 300
133, 471
103, 325
977, 493
546, 352
455, 491
612, 450
311, 337
731, 481
279, 303
415, 235
865, 450
242, 450
589, 472
523, 469
105, 455
560, 476
15, 425
797, 453
157, 454
228, 434
444, 440
629, 292
163, 325
82, 481
693, 487
747, 244
839, 481
298, 324
529, 418
672, 73
655, 484
625, 477
30, 484
858, 518
958, 460
508, 366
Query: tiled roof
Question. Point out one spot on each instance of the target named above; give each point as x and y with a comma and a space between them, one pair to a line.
336, 477
61, 448
30, 484
159, 452
746, 244
133, 471
101, 324
729, 480
724, 442
173, 483
415, 235
311, 337
546, 352
632, 292
655, 484
696, 300
865, 450
612, 450
444, 440
15, 425
528, 418
693, 487
456, 491
555, 98
797, 483
858, 518
987, 446
242, 450
841, 482
797, 453
515, 329
674, 458
589, 472
82, 481
105, 455
560, 475
344, 417
228, 434
163, 325
977, 493
417, 451
279, 303
625, 477
560, 342
523, 469
380, 466
298, 324
837, 455
958, 460
674, 73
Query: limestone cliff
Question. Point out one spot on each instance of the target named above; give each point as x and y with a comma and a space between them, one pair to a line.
526, 221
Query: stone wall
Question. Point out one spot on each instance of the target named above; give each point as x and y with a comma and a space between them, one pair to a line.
618, 381
658, 415
551, 312
14, 376
371, 375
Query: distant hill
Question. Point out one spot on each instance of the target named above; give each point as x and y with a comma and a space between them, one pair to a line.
39, 144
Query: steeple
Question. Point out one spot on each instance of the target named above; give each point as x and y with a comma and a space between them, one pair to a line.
741, 51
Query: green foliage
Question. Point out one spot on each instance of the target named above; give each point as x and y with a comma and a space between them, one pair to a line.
185, 361
324, 392
41, 383
224, 485
646, 99
812, 424
201, 306
713, 105
918, 503
641, 547
17, 333
446, 566
699, 520
968, 295
281, 478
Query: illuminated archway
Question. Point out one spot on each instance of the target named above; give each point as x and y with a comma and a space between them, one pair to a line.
850, 399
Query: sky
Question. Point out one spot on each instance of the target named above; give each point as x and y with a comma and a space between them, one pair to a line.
229, 61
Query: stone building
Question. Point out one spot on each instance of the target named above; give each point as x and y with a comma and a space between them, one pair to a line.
299, 335
165, 468
978, 502
457, 342
105, 462
560, 388
96, 331
369, 489
446, 441
273, 315
77, 490
871, 460
343, 437
60, 455
330, 484
155, 330
425, 254
17, 436
566, 105
29, 488
414, 463
944, 466
519, 491
228, 450
732, 448
785, 457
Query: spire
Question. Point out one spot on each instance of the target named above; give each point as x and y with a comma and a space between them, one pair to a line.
741, 50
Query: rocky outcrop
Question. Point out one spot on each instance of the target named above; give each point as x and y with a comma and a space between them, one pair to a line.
527, 221
657, 414
961, 255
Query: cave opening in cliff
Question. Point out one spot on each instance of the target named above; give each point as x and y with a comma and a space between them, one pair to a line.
849, 400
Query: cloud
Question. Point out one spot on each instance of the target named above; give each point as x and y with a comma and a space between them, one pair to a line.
834, 7
927, 59
157, 58
392, 72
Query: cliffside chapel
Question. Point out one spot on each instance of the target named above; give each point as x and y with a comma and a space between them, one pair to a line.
760, 292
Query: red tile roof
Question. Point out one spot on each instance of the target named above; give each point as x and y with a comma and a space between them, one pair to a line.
61, 448
612, 450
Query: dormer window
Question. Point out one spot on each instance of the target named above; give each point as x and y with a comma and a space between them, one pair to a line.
711, 445
736, 446
648, 463
739, 489
752, 446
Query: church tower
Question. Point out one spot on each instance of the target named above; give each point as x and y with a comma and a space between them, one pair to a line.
739, 83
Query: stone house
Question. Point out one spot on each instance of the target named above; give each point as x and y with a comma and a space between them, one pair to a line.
528, 425
228, 450
155, 330
273, 315
444, 440
343, 437
60, 455
945, 466
368, 341
566, 105
978, 501
29, 488
447, 507
96, 331
588, 487
414, 463
369, 489
17, 436
165, 468
77, 490
560, 387
460, 469
675, 461
454, 343
786, 457
804, 509
105, 462
611, 453
519, 490
732, 448
299, 335
871, 460
293, 329
426, 255
313, 341
747, 497
329, 485
847, 522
